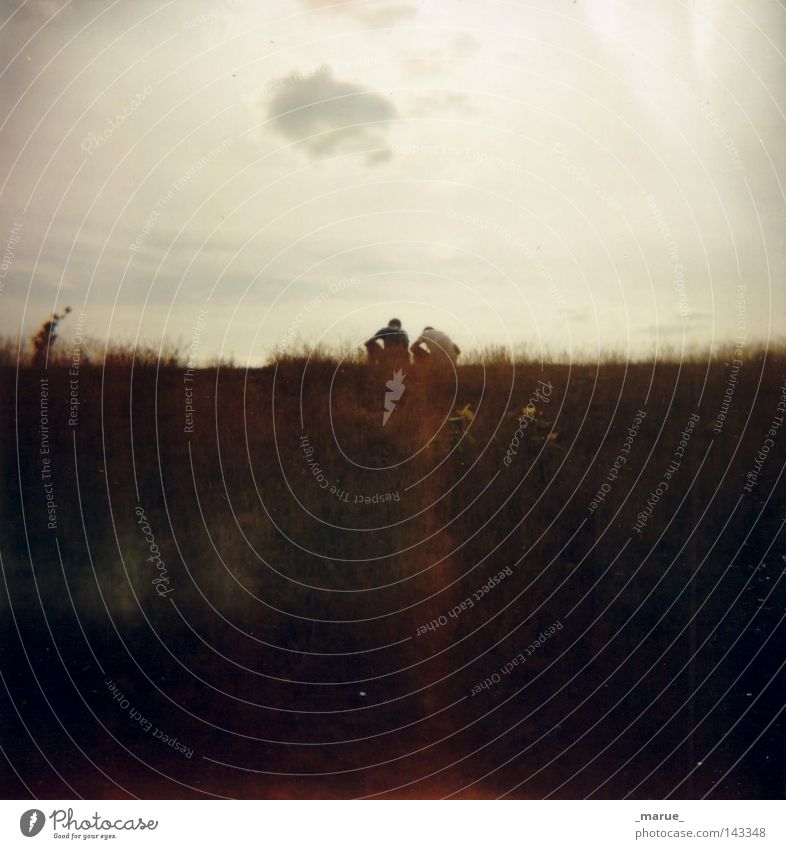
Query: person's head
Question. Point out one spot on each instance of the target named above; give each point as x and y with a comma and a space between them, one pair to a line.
427, 328
394, 322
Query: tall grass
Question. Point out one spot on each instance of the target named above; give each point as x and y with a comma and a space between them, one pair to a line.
276, 581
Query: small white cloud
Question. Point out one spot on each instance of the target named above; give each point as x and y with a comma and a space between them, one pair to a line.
464, 45
441, 101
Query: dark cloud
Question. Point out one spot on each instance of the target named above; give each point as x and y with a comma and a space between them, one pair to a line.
330, 115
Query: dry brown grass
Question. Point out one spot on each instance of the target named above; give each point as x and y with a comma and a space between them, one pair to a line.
270, 572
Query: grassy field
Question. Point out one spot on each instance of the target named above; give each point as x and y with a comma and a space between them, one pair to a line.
579, 597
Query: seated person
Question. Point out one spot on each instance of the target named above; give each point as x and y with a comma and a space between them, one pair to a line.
435, 345
394, 344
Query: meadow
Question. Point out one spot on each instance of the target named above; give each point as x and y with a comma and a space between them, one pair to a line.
537, 578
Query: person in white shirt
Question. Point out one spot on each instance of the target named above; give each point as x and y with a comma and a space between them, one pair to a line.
438, 344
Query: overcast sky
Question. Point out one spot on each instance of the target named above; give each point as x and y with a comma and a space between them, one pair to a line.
576, 175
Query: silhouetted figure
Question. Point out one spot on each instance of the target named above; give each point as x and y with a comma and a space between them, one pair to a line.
45, 338
393, 349
435, 347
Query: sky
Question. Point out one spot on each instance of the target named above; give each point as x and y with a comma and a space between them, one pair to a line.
240, 178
